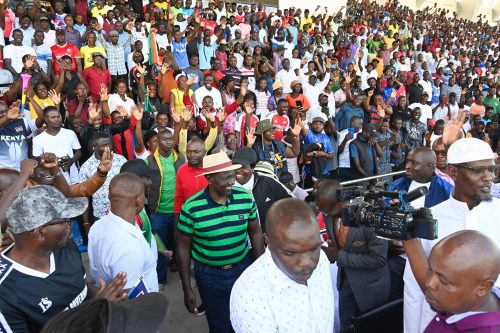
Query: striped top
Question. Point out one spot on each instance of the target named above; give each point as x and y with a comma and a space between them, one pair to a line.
219, 232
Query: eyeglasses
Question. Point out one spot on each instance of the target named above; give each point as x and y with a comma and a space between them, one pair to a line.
479, 170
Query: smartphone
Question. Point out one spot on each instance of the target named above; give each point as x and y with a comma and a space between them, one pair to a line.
299, 104
351, 130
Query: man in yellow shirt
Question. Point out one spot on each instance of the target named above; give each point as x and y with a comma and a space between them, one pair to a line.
87, 51
98, 10
389, 40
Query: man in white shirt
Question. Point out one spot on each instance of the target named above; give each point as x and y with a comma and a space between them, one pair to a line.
345, 138
14, 52
286, 76
426, 83
60, 141
116, 242
280, 292
313, 88
470, 206
424, 108
208, 90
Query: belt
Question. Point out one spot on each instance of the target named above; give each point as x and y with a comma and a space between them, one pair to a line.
224, 267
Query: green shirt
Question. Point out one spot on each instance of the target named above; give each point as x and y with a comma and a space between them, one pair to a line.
219, 232
493, 103
167, 190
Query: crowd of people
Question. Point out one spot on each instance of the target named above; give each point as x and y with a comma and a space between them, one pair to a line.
211, 138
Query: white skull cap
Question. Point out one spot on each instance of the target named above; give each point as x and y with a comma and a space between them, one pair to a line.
469, 150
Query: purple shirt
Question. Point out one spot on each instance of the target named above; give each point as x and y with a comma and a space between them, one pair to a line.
477, 322
486, 322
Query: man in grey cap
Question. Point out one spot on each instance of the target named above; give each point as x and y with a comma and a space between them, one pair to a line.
470, 206
42, 274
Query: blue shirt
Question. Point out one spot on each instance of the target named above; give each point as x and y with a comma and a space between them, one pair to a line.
322, 139
180, 53
205, 53
346, 112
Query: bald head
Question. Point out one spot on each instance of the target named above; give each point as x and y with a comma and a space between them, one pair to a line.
125, 185
463, 268
292, 235
463, 248
425, 154
288, 213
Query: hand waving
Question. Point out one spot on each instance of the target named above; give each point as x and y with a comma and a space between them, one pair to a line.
250, 135
106, 161
55, 96
113, 291
453, 129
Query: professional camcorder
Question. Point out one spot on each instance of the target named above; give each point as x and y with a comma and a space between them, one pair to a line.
372, 208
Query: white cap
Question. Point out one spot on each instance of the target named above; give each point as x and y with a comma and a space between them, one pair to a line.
469, 150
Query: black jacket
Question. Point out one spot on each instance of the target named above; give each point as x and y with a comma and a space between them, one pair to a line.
266, 191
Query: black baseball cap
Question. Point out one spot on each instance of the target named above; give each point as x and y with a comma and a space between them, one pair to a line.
245, 156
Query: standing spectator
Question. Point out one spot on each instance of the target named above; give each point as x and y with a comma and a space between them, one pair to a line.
164, 164
72, 35
258, 292
318, 150
117, 243
97, 77
415, 130
100, 200
265, 188
14, 53
87, 52
60, 141
364, 151
115, 51
216, 267
43, 53
61, 49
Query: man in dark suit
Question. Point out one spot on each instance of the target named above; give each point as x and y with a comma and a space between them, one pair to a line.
363, 278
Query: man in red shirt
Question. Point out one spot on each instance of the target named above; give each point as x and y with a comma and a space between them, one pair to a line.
190, 179
61, 49
96, 75
279, 119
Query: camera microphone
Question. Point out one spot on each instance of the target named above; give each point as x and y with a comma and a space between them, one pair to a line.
415, 194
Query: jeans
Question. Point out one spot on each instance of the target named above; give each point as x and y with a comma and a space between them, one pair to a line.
161, 224
214, 285
347, 307
344, 174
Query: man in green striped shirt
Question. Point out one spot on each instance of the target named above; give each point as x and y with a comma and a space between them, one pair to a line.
214, 227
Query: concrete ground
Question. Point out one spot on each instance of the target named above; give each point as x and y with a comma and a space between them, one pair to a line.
178, 320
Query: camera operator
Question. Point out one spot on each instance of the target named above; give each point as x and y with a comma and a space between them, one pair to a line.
472, 303
363, 277
470, 206
420, 167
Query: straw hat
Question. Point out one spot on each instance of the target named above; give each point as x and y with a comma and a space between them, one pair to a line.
218, 162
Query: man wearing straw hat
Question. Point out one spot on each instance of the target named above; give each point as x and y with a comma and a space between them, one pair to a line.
214, 226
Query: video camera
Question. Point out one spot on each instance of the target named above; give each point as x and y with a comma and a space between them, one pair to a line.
371, 208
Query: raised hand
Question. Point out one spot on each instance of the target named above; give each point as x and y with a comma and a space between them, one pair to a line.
137, 112
190, 81
370, 93
453, 129
348, 79
299, 124
210, 116
140, 68
164, 68
30, 61
55, 96
104, 92
250, 135
93, 112
304, 60
221, 115
106, 161
13, 111
49, 161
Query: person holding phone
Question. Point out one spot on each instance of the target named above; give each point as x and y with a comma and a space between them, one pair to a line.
296, 99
